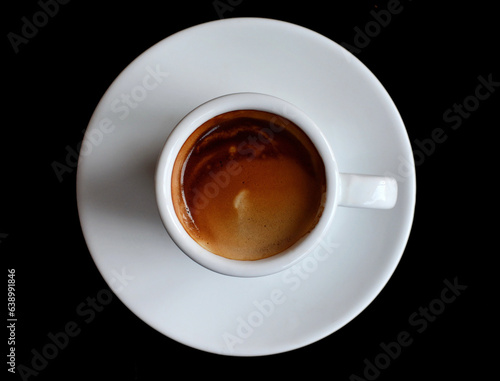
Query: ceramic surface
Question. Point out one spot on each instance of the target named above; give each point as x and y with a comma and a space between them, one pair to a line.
116, 194
353, 190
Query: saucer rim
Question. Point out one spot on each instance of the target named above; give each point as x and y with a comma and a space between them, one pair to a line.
321, 332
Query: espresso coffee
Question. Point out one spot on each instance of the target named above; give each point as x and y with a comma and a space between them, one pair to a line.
248, 184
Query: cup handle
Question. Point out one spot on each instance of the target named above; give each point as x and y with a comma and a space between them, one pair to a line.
366, 191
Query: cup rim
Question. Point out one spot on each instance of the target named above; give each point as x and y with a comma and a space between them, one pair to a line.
170, 150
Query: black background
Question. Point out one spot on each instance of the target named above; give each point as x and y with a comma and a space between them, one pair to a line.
428, 58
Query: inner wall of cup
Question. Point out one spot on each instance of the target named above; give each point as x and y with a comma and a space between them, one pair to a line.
317, 140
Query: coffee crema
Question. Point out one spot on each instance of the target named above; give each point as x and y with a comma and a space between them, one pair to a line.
248, 184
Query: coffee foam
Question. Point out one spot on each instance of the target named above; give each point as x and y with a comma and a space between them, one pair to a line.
247, 185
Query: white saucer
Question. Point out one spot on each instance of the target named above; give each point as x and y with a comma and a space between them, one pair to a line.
119, 217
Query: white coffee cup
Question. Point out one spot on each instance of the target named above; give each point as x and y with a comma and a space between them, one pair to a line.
342, 189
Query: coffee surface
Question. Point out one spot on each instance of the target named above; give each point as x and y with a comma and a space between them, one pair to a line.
248, 184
